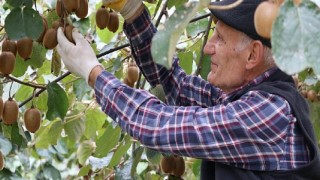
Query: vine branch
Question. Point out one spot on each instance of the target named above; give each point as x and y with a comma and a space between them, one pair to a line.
25, 83
199, 67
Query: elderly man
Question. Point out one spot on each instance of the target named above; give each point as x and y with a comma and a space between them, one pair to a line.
247, 121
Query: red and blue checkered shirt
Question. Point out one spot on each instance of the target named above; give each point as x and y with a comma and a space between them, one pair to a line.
255, 132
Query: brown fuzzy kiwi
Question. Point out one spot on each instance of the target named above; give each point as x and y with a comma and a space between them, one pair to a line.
126, 81
82, 11
59, 8
133, 73
264, 17
167, 164
68, 33
71, 5
50, 39
10, 112
32, 119
7, 62
24, 46
45, 28
1, 161
9, 45
1, 107
56, 24
180, 166
312, 95
102, 17
113, 24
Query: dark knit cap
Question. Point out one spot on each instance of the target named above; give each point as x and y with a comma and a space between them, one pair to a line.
240, 17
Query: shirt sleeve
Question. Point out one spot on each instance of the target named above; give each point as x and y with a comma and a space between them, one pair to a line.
248, 133
180, 89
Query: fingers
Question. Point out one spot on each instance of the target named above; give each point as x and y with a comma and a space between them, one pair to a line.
77, 37
63, 42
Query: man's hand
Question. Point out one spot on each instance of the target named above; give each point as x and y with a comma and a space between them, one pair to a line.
79, 58
127, 8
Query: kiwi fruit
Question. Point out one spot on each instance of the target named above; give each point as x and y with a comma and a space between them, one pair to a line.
133, 73
71, 5
59, 8
9, 45
50, 39
126, 81
1, 161
45, 28
68, 33
82, 11
312, 95
32, 119
113, 24
102, 17
1, 107
7, 62
167, 164
56, 24
180, 166
10, 112
24, 46
264, 17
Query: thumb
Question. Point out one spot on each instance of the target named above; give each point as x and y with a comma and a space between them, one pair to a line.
77, 37
62, 40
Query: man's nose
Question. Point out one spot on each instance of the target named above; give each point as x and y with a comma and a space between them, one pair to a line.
209, 48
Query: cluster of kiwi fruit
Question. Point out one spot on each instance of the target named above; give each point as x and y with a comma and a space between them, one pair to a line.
63, 9
173, 165
10, 49
107, 19
265, 15
306, 91
9, 112
132, 74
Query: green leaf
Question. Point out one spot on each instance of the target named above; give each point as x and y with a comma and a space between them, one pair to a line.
81, 88
56, 63
200, 26
295, 45
107, 141
17, 135
121, 150
165, 41
153, 156
49, 134
6, 174
57, 102
5, 145
85, 150
95, 119
186, 61
18, 3
23, 22
38, 55
84, 170
50, 172
105, 35
205, 67
136, 159
20, 67
176, 3
23, 93
74, 128
158, 92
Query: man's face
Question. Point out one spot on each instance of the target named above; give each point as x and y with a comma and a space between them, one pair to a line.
229, 54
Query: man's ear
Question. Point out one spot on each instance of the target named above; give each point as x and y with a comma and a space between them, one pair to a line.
256, 54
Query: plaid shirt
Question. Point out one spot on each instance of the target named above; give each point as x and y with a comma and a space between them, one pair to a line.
256, 132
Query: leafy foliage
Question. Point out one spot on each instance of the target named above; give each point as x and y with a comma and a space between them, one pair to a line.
76, 139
